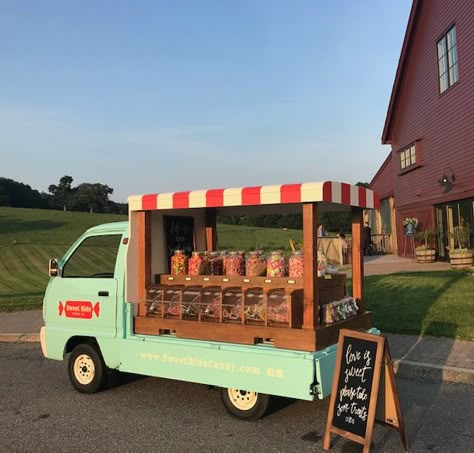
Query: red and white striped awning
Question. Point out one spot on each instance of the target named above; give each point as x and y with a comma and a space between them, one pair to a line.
326, 191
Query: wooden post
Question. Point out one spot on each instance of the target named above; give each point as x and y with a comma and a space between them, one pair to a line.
211, 229
144, 257
310, 271
357, 257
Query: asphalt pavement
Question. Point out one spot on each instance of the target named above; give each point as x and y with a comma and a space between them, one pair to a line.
434, 359
41, 412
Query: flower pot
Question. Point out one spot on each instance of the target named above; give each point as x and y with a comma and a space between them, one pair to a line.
425, 256
461, 259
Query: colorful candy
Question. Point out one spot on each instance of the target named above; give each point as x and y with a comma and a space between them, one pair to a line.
179, 263
255, 264
234, 264
276, 265
296, 264
196, 265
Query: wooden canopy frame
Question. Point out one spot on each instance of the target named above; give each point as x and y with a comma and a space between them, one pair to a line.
312, 336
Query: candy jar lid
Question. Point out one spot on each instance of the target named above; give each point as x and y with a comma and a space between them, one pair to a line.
297, 252
178, 252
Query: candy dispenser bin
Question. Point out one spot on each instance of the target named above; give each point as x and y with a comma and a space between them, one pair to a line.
279, 307
232, 305
254, 306
172, 298
210, 305
154, 300
190, 305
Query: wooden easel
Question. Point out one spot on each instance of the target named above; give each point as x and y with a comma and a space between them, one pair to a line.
410, 239
383, 405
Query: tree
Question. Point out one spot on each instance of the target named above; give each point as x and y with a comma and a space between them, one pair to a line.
62, 193
94, 197
19, 195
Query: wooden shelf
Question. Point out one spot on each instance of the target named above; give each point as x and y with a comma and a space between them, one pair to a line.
297, 339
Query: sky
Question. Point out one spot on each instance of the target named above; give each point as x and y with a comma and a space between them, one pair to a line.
163, 96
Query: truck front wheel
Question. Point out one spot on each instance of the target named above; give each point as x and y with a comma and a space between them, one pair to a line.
244, 404
86, 368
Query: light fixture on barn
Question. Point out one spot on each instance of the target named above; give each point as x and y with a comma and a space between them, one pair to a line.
447, 180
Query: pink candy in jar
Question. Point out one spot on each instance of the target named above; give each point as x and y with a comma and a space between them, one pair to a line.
234, 264
296, 264
276, 265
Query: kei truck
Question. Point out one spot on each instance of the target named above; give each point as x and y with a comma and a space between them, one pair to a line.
155, 296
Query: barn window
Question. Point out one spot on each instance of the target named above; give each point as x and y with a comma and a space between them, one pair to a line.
408, 157
447, 60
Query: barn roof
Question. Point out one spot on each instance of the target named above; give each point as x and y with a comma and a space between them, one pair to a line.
387, 130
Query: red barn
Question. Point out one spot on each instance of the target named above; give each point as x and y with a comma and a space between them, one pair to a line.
429, 173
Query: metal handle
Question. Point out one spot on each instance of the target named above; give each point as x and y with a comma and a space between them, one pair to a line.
103, 293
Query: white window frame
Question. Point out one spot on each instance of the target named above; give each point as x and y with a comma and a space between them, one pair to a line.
448, 69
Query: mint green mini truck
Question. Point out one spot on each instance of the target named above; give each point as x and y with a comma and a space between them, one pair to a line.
119, 300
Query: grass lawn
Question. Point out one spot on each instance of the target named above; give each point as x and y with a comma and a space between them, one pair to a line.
28, 238
431, 303
427, 303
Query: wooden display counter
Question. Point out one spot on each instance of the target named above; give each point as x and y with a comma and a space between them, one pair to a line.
246, 310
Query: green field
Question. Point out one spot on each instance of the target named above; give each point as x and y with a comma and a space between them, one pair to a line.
29, 237
433, 303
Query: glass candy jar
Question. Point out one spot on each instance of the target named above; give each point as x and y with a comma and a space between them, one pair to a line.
179, 263
296, 264
196, 264
234, 264
276, 264
215, 263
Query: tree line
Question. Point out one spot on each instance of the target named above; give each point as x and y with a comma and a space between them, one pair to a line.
92, 197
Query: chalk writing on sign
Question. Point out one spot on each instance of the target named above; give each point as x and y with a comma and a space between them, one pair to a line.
351, 407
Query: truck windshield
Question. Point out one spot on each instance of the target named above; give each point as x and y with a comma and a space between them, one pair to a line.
95, 257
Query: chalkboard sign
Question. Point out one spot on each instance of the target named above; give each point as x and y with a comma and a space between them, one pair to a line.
409, 229
179, 233
356, 388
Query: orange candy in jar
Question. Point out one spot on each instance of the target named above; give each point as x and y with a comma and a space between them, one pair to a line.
179, 263
296, 264
196, 264
234, 264
224, 255
215, 263
255, 264
276, 265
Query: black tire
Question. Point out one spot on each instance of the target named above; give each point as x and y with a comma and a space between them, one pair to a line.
86, 369
245, 405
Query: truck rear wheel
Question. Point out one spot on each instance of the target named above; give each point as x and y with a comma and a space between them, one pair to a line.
244, 404
86, 369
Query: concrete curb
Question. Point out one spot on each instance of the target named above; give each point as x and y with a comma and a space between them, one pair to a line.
428, 372
19, 338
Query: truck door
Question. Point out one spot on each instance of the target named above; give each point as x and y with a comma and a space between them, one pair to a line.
84, 297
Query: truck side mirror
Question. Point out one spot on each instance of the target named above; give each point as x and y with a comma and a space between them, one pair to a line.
53, 267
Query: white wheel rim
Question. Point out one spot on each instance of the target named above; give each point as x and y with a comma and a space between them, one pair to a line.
84, 369
242, 399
